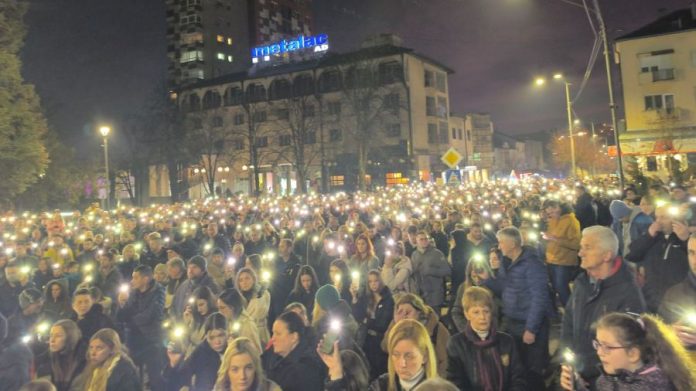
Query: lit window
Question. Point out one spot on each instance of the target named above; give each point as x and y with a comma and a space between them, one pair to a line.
337, 180
192, 38
230, 59
220, 38
221, 56
191, 55
229, 41
396, 178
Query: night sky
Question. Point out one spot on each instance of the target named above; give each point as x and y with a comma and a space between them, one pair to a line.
99, 60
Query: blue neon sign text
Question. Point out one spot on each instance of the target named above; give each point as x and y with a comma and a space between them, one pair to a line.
318, 42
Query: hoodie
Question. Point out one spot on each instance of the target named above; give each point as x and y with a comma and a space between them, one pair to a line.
57, 309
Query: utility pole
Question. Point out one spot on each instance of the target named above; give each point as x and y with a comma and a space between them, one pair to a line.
612, 105
569, 108
594, 148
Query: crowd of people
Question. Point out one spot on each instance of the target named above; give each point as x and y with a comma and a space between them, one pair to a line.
408, 288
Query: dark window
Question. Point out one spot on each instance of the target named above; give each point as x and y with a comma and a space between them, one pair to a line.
238, 119
429, 79
282, 114
394, 130
311, 137
335, 135
261, 142
334, 108
238, 145
432, 134
233, 96
441, 79
285, 140
194, 102
454, 134
330, 81
303, 85
217, 122
444, 133
389, 72
309, 111
391, 102
279, 89
256, 93
430, 108
441, 107
260, 116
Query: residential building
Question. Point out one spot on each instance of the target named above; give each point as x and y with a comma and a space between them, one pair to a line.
658, 76
382, 97
211, 38
479, 134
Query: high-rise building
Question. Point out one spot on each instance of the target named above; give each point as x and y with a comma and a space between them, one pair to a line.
211, 38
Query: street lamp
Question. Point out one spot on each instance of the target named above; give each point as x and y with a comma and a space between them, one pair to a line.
540, 81
105, 130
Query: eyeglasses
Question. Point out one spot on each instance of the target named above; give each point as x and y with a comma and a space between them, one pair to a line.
605, 348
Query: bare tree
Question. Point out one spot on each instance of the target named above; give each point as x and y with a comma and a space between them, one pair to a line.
206, 138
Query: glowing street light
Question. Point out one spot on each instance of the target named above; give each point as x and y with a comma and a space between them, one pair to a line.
540, 81
105, 130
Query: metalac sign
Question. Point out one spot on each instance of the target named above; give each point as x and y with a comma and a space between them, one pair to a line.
319, 43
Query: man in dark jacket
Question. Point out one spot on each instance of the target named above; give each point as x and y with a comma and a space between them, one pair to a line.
430, 269
662, 252
89, 315
287, 265
522, 282
156, 253
679, 303
10, 289
214, 239
607, 285
142, 312
196, 271
15, 360
584, 208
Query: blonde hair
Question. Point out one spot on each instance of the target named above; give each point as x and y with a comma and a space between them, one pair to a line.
477, 296
98, 374
414, 331
236, 347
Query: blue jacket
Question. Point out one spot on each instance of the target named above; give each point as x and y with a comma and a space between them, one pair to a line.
524, 288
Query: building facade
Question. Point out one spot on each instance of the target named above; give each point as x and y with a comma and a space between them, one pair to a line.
210, 38
658, 75
384, 102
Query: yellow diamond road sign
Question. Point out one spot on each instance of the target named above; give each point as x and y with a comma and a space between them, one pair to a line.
451, 158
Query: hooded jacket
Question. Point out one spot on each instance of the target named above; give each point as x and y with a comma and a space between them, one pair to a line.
57, 309
143, 314
588, 302
300, 370
430, 269
665, 261
93, 321
638, 224
564, 250
399, 276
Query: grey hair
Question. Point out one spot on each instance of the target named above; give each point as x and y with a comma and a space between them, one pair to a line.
436, 384
605, 237
512, 233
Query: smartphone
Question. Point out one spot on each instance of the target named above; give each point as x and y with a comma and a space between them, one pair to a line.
327, 345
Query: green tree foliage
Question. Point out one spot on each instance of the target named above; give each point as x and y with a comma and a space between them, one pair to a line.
23, 156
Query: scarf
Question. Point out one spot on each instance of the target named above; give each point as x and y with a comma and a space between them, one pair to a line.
488, 362
408, 385
100, 375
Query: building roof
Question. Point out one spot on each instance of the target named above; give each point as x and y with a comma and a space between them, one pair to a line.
328, 60
675, 22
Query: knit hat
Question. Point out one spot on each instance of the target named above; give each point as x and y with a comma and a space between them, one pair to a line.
198, 261
28, 297
619, 209
327, 297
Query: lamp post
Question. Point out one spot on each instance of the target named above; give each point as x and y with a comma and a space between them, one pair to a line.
540, 81
105, 130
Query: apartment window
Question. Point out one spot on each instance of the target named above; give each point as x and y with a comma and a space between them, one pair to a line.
196, 74
220, 38
391, 102
659, 102
444, 133
430, 108
238, 145
189, 19
337, 180
335, 135
261, 142
441, 80
221, 56
429, 77
459, 131
191, 55
230, 58
192, 38
334, 108
393, 130
311, 137
454, 133
441, 107
229, 41
238, 119
396, 178
432, 134
260, 116
285, 140
282, 114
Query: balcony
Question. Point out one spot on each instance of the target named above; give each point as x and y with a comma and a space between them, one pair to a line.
663, 74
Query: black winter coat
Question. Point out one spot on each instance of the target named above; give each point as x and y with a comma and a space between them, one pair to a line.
665, 262
374, 329
301, 370
93, 321
588, 303
463, 364
203, 364
124, 377
585, 211
143, 314
305, 298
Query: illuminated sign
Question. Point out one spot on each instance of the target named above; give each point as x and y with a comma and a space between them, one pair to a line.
320, 43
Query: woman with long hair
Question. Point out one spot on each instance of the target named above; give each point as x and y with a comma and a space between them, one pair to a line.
306, 285
411, 358
346, 370
374, 311
57, 300
340, 277
232, 305
241, 369
108, 367
480, 357
411, 306
363, 260
66, 354
201, 304
258, 301
637, 352
199, 370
